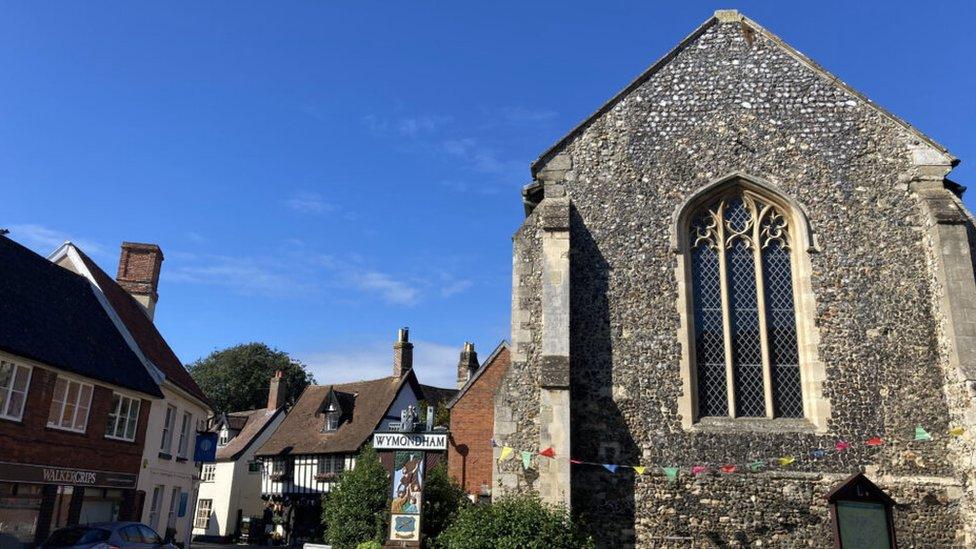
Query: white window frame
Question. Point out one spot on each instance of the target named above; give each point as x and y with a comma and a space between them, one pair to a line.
7, 393
185, 434
204, 508
174, 502
60, 402
154, 505
132, 407
209, 472
166, 443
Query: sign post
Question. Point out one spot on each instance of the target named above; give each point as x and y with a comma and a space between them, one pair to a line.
409, 449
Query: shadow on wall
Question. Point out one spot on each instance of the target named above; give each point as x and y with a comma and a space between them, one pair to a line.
603, 500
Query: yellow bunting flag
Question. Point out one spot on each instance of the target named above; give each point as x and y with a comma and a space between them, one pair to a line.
784, 461
957, 431
639, 469
506, 453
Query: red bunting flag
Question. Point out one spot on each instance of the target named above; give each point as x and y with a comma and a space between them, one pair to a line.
727, 469
548, 452
842, 445
698, 469
874, 441
575, 461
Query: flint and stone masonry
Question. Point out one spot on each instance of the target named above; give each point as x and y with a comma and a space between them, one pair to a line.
600, 350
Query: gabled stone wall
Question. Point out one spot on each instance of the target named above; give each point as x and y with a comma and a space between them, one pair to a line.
734, 99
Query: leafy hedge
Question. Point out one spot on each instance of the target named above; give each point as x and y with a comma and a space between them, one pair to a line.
514, 522
443, 498
355, 510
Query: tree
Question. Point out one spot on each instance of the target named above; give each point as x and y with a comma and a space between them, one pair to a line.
443, 498
357, 508
513, 523
237, 378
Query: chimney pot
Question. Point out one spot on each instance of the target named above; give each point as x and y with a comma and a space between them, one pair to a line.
139, 266
402, 353
467, 365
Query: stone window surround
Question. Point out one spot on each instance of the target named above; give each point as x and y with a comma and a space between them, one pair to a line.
816, 409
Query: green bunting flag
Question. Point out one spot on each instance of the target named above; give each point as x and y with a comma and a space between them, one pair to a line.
671, 473
526, 459
922, 434
756, 465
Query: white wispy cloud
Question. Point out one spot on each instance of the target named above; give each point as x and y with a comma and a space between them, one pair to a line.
243, 275
407, 126
309, 203
392, 290
455, 287
479, 157
434, 363
522, 115
44, 240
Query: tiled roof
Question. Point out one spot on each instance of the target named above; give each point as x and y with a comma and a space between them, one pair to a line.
143, 331
252, 423
54, 316
363, 405
436, 395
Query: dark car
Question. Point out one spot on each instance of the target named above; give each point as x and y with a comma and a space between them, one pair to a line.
106, 535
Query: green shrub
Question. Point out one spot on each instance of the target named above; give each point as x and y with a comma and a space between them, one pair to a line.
356, 509
514, 523
370, 545
443, 498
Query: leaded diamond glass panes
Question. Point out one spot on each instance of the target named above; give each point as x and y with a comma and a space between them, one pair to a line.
709, 337
742, 283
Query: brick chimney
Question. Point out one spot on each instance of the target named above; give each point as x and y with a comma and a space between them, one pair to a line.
276, 393
468, 364
139, 267
402, 354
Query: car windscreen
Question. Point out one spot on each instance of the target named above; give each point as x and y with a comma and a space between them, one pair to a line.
77, 535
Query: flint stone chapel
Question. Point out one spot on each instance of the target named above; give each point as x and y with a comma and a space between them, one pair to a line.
739, 258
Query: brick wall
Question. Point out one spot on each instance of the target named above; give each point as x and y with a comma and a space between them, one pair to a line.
469, 456
32, 441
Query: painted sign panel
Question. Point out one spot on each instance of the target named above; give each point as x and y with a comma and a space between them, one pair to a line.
410, 441
66, 476
205, 450
863, 525
408, 483
405, 527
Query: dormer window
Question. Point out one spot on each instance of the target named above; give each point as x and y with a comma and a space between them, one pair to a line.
331, 417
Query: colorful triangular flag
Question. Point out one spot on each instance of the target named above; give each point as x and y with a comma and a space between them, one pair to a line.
756, 465
922, 434
841, 445
818, 453
728, 468
698, 469
549, 452
494, 444
671, 473
610, 467
506, 453
786, 460
874, 441
957, 431
575, 461
526, 459
639, 469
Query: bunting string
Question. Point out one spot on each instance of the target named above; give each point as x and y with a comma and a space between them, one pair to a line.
671, 472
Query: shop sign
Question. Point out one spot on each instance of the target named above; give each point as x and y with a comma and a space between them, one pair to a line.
66, 476
410, 441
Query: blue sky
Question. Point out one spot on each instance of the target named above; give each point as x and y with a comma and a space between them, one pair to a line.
321, 173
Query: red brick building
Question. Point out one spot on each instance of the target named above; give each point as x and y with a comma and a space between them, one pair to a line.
74, 402
469, 454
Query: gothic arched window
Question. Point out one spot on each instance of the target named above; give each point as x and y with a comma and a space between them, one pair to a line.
746, 359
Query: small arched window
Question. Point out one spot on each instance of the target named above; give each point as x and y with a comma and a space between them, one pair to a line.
746, 361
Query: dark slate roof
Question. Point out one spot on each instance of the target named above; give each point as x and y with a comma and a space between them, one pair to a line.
436, 395
143, 331
252, 423
52, 315
363, 403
